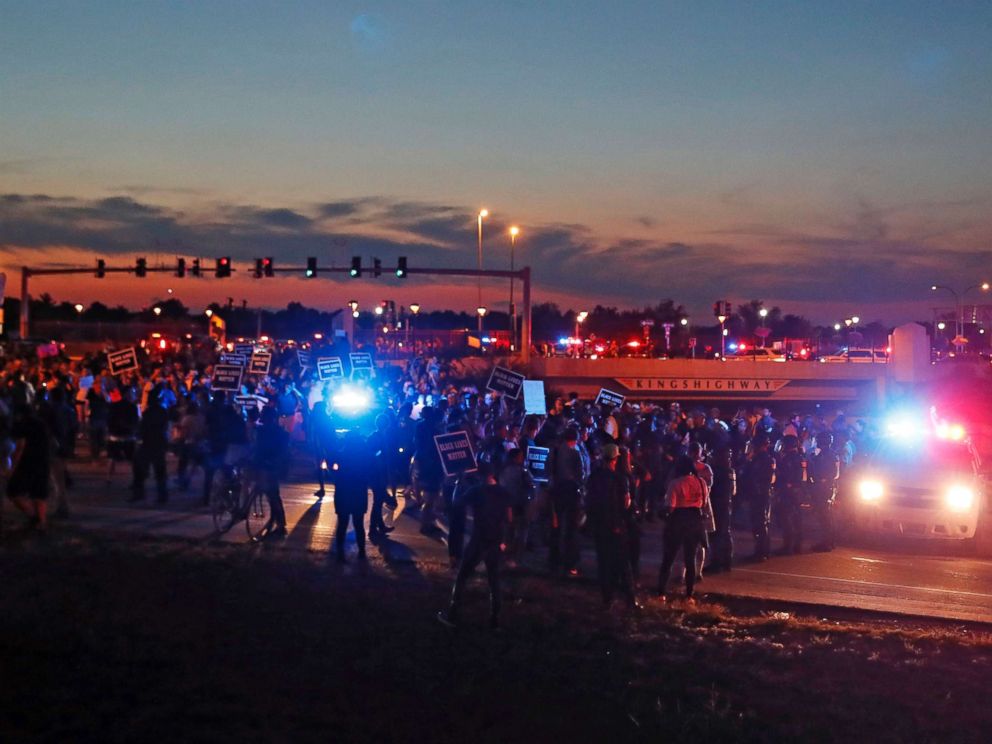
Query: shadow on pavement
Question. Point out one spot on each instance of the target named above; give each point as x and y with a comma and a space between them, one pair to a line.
302, 532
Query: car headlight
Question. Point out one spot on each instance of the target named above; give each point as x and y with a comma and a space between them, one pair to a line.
959, 498
351, 400
871, 491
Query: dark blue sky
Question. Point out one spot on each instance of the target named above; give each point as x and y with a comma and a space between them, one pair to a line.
829, 157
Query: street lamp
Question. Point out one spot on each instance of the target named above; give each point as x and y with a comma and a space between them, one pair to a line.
837, 326
483, 213
763, 313
415, 308
514, 232
79, 308
157, 310
580, 318
208, 312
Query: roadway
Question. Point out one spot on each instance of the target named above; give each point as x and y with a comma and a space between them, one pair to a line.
896, 578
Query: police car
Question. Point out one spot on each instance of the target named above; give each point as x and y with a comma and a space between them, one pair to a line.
923, 479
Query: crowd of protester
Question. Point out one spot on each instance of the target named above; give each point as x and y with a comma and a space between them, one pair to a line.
610, 470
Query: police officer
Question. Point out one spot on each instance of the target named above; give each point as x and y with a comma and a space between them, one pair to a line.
490, 504
722, 502
789, 484
758, 477
824, 472
608, 506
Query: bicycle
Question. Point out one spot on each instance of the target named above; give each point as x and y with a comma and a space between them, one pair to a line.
236, 497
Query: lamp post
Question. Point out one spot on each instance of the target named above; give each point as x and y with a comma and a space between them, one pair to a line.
684, 322
157, 310
514, 232
723, 335
481, 310
483, 213
78, 307
580, 318
763, 313
958, 307
415, 311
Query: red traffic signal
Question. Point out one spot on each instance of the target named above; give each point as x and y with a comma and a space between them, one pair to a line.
223, 269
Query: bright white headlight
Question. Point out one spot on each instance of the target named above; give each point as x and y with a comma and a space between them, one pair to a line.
959, 498
351, 400
870, 491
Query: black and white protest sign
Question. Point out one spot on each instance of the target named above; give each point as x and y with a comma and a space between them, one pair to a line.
506, 381
609, 398
456, 452
237, 359
246, 350
361, 362
227, 377
259, 401
303, 357
537, 462
122, 361
330, 368
260, 362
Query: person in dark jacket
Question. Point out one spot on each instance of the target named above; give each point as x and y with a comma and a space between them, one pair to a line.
154, 434
824, 471
28, 484
566, 497
490, 504
351, 493
758, 477
269, 460
722, 502
789, 484
428, 467
378, 444
608, 505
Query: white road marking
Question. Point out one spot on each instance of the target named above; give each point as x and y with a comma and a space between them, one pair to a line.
866, 583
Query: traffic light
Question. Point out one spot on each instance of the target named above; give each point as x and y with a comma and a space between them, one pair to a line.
311, 267
101, 268
180, 267
223, 269
267, 268
140, 267
401, 267
356, 267
195, 270
376, 267
259, 268
717, 308
727, 309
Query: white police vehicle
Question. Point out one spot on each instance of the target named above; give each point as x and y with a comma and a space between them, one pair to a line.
923, 480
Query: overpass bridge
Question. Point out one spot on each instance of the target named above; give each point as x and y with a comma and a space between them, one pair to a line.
859, 386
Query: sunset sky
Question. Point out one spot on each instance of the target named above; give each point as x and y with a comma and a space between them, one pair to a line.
833, 158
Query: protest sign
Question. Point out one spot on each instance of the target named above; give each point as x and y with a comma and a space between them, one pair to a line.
534, 398
456, 452
330, 368
609, 398
122, 361
227, 377
505, 381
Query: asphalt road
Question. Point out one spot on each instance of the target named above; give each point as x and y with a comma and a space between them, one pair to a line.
924, 580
